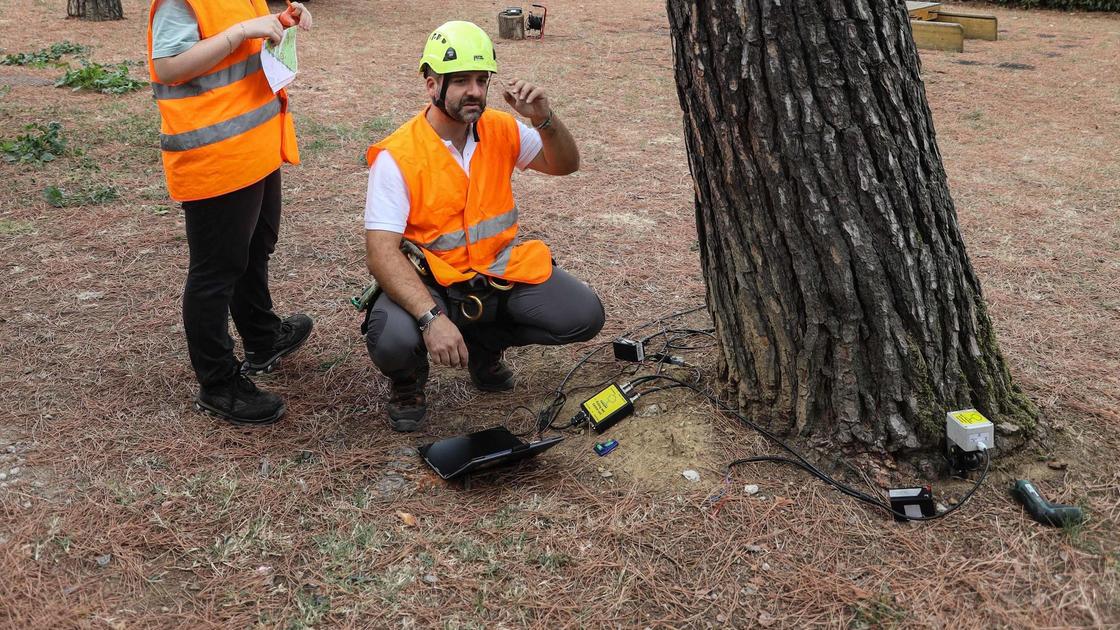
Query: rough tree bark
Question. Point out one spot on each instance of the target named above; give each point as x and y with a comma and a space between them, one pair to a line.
844, 301
95, 10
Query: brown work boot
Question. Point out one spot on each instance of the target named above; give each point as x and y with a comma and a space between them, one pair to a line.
488, 372
408, 407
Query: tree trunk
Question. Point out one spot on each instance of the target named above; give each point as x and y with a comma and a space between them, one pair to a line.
95, 10
843, 299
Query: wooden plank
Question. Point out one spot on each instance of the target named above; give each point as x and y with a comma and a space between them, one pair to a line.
976, 26
938, 35
922, 10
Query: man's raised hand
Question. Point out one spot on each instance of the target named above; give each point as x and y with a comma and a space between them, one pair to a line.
527, 99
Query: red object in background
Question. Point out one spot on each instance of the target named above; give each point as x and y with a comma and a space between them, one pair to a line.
536, 22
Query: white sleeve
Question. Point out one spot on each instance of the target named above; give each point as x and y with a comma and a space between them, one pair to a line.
530, 145
387, 203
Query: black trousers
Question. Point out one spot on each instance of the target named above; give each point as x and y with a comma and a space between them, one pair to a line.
230, 238
558, 311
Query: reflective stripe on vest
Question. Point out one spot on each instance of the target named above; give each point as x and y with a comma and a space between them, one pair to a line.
493, 226
207, 82
226, 129
501, 261
487, 228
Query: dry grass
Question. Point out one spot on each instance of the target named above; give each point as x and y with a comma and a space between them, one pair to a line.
196, 524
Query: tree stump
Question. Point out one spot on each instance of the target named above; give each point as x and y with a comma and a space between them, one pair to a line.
95, 10
511, 24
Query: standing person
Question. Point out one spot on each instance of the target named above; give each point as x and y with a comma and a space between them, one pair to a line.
441, 183
224, 135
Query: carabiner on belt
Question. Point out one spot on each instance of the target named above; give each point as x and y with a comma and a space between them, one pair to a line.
497, 284
471, 298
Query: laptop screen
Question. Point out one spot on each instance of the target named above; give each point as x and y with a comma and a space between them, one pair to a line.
467, 453
454, 453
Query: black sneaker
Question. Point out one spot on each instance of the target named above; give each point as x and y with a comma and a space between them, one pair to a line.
488, 372
408, 407
293, 332
241, 402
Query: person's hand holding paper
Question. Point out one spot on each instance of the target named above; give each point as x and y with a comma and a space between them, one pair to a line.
279, 61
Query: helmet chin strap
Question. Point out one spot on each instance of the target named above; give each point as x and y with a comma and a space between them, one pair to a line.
441, 102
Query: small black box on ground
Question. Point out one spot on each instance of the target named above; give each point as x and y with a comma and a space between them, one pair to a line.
629, 350
913, 502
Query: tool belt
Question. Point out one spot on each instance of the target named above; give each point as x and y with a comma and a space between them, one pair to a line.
480, 300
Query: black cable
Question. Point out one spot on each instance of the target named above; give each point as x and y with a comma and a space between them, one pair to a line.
659, 389
800, 461
515, 410
672, 343
673, 338
864, 497
547, 416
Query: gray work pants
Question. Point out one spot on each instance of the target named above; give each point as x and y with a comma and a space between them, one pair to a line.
558, 311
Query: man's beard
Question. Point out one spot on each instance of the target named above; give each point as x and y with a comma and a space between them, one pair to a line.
471, 116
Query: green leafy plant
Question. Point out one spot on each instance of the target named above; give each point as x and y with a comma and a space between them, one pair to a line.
45, 56
91, 196
42, 143
100, 78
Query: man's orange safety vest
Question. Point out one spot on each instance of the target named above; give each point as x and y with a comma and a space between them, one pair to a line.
226, 129
465, 226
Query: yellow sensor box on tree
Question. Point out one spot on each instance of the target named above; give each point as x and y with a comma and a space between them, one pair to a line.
969, 430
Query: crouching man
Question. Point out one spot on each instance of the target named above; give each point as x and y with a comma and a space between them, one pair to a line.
441, 182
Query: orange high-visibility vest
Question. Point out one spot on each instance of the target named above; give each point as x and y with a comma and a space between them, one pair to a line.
225, 129
465, 226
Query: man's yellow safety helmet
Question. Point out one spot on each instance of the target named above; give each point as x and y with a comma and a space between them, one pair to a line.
459, 46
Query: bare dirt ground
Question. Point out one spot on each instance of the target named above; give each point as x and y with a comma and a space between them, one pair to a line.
121, 507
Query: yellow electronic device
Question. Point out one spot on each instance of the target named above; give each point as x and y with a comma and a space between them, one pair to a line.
607, 407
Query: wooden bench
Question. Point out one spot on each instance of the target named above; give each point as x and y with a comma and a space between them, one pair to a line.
937, 29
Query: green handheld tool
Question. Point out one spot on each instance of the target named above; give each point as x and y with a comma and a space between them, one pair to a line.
1041, 510
363, 301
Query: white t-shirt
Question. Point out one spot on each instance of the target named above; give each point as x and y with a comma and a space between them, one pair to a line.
387, 202
174, 28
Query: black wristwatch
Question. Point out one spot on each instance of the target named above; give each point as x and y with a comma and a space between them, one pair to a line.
427, 318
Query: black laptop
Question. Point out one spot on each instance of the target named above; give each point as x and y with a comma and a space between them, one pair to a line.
483, 449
